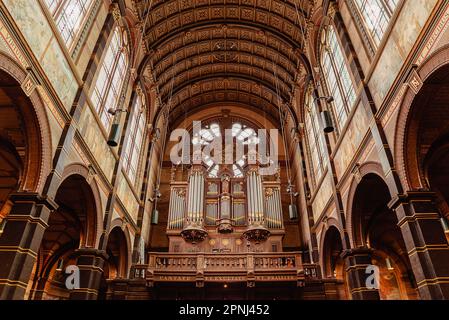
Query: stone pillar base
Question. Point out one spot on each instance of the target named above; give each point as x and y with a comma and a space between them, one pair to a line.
90, 263
425, 241
20, 242
357, 262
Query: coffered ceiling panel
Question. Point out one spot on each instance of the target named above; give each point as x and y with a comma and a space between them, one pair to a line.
202, 52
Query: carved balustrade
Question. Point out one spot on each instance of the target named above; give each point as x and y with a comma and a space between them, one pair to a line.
168, 267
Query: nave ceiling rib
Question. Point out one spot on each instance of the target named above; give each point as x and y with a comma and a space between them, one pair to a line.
193, 43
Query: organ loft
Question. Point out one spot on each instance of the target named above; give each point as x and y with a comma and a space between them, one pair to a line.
225, 149
226, 218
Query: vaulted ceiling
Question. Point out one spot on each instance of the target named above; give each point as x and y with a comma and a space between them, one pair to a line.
205, 52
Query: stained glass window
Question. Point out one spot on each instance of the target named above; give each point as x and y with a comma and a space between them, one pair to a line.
338, 79
241, 133
376, 15
315, 138
69, 16
112, 73
133, 150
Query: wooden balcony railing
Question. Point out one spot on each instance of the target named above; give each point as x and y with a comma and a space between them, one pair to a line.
225, 267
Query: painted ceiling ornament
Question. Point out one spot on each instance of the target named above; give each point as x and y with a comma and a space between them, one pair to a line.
117, 15
226, 51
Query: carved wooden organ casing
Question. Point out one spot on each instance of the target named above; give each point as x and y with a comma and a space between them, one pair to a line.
225, 213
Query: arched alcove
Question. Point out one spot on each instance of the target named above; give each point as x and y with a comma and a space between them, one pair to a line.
333, 263
70, 227
375, 226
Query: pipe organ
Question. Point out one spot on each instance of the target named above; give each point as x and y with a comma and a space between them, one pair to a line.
225, 213
273, 208
225, 221
177, 208
194, 224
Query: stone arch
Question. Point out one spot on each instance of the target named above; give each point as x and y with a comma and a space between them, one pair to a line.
331, 225
119, 224
405, 160
38, 164
86, 173
375, 226
363, 170
72, 226
332, 262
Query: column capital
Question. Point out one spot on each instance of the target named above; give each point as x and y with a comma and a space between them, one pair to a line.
357, 252
19, 197
410, 196
91, 252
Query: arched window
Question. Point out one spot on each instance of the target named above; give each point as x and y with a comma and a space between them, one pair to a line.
240, 132
336, 73
315, 138
112, 74
69, 16
133, 150
376, 16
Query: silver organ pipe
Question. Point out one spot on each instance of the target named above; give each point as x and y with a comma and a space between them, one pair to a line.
269, 211
254, 195
279, 204
183, 209
177, 209
212, 213
259, 197
274, 208
201, 200
174, 209
196, 197
179, 212
254, 192
171, 210
238, 213
279, 207
250, 198
191, 194
255, 198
